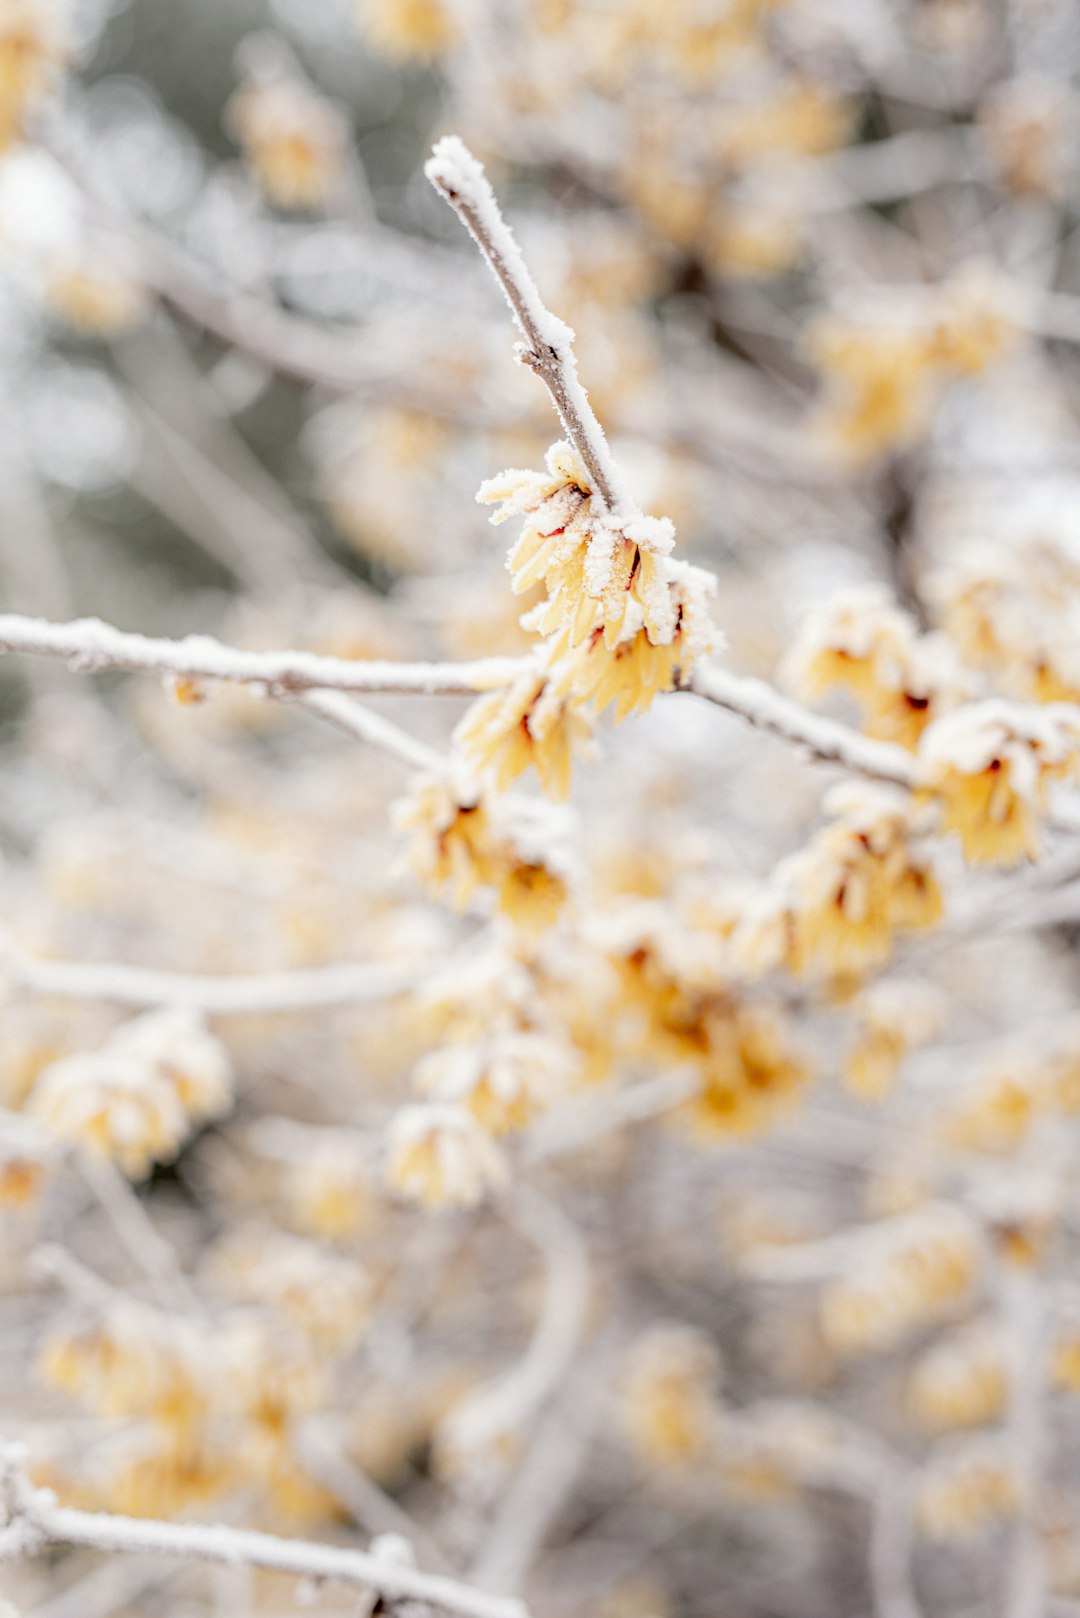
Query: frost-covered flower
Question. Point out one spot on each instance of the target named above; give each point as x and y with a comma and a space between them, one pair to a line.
911, 1272
894, 1017
963, 1381
621, 621
841, 901
463, 840
861, 641
121, 1108
681, 1006
669, 1392
528, 724
967, 1489
95, 295
178, 1044
441, 1157
137, 1098
132, 1360
1029, 126
328, 1190
409, 29
987, 767
505, 1081
324, 1296
32, 49
293, 138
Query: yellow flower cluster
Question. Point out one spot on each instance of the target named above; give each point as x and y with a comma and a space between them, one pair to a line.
207, 1404
441, 1157
410, 30
95, 296
966, 1491
915, 1270
883, 379
621, 622
893, 1018
1029, 128
32, 49
138, 1098
962, 1381
505, 1080
293, 138
1006, 604
860, 641
669, 1393
994, 1113
324, 1297
464, 841
836, 906
682, 1008
987, 768
328, 1190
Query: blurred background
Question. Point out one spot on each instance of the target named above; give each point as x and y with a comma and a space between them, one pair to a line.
746, 1288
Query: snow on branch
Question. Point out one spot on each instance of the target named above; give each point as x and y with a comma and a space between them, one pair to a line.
343, 984
548, 346
87, 645
30, 1522
826, 739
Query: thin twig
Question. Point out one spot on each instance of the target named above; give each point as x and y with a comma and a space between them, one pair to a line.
547, 350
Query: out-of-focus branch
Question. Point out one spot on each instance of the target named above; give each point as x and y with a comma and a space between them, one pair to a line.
547, 350
513, 1399
30, 1522
116, 983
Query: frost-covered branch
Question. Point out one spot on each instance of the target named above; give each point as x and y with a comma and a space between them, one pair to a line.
87, 645
825, 739
548, 347
31, 1522
117, 983
513, 1399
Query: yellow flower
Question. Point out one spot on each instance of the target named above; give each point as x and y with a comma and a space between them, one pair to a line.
669, 1393
976, 323
893, 1017
526, 725
409, 29
967, 1490
621, 620
453, 846
751, 1075
135, 1362
857, 885
961, 1382
994, 1114
505, 1081
463, 842
860, 641
95, 298
31, 50
293, 138
881, 387
915, 1270
441, 1157
987, 768
328, 1191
